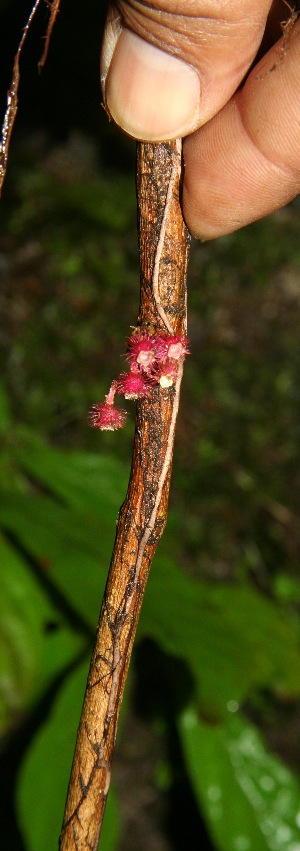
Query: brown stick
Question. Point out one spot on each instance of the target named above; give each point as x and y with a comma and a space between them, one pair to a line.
164, 243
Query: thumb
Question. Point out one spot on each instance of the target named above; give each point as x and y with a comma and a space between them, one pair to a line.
168, 66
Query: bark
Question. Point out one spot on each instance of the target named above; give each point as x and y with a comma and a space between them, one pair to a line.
164, 244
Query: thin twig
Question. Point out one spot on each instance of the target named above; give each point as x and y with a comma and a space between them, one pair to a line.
12, 94
54, 9
164, 244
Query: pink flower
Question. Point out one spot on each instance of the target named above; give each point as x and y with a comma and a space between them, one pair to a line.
173, 346
141, 349
106, 417
153, 360
147, 351
133, 385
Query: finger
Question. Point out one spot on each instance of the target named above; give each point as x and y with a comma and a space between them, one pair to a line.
165, 73
245, 163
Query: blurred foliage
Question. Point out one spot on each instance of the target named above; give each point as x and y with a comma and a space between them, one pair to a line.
55, 508
221, 611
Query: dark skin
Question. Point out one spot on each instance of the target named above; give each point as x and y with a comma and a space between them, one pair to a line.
223, 74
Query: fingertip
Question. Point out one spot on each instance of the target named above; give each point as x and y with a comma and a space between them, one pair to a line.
152, 95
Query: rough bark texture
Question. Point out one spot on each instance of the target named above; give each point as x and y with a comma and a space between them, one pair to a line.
164, 246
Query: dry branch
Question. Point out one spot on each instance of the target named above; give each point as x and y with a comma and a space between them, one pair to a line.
164, 244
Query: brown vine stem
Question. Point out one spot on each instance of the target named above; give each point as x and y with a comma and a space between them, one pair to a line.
164, 244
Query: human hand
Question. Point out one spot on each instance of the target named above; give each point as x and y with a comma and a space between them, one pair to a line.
175, 67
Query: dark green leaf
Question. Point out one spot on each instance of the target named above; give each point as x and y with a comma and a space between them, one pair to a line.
65, 543
30, 655
234, 639
83, 480
22, 609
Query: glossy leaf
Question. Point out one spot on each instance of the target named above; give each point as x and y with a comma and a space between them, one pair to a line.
250, 800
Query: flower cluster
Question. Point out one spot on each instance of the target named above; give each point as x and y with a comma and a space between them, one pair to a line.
153, 360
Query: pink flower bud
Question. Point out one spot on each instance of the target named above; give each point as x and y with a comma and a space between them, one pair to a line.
106, 417
145, 358
174, 346
141, 349
133, 385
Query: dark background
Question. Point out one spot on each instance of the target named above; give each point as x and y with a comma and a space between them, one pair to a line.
69, 293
